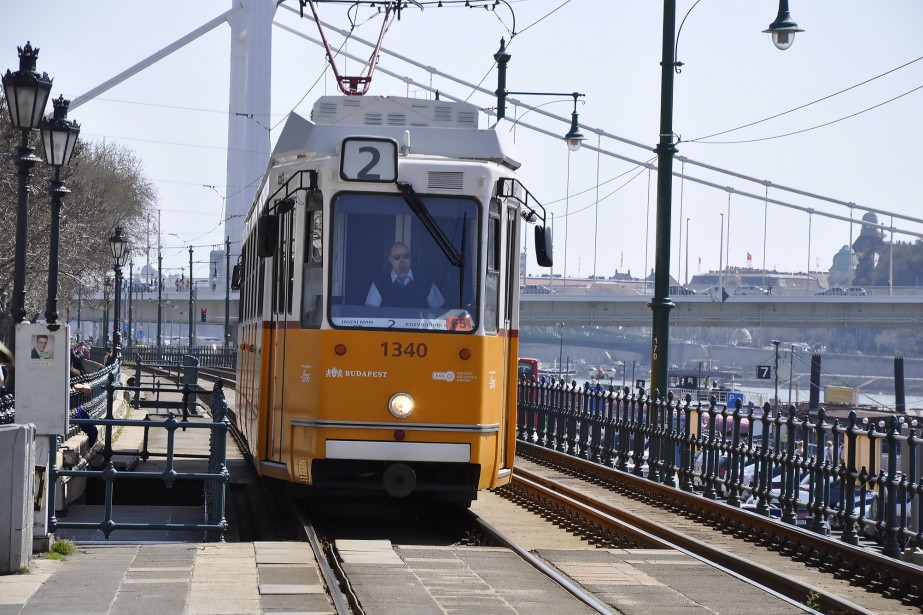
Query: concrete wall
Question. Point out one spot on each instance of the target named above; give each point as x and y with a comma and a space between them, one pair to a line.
16, 479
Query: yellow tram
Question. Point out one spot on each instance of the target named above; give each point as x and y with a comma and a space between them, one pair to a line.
350, 374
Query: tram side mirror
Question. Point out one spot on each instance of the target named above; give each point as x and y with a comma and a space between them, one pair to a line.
543, 246
235, 277
268, 233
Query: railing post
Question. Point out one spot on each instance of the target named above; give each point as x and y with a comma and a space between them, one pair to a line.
848, 478
145, 454
575, 395
609, 426
135, 402
110, 400
709, 454
789, 472
763, 472
654, 431
624, 430
191, 378
670, 440
543, 416
637, 427
52, 482
891, 547
560, 420
521, 409
686, 459
733, 457
820, 473
597, 419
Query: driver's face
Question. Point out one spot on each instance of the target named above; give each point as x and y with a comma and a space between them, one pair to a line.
400, 260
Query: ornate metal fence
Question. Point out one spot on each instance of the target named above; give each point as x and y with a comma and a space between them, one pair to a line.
857, 477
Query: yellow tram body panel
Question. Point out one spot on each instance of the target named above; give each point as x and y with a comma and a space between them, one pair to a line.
332, 356
312, 397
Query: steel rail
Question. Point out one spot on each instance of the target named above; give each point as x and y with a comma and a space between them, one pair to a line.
331, 579
781, 586
572, 588
822, 550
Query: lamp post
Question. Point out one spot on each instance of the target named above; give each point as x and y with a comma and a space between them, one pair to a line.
775, 370
227, 293
783, 31
191, 302
106, 314
27, 94
721, 259
119, 246
159, 296
59, 136
574, 138
131, 288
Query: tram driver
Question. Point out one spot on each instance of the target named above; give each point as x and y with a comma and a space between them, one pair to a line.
401, 287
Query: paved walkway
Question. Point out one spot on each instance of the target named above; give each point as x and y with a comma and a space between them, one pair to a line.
208, 578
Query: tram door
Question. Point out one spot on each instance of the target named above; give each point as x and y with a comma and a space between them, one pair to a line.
510, 352
280, 303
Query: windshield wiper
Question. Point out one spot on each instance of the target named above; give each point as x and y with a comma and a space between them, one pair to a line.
416, 204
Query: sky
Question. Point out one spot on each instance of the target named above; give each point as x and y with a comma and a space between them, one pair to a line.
174, 115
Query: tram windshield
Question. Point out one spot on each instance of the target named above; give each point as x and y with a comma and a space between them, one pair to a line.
393, 268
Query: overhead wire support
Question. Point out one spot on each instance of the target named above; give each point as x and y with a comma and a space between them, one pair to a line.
356, 85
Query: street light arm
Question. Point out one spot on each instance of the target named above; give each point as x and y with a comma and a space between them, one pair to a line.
676, 63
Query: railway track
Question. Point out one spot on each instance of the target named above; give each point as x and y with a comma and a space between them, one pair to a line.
603, 504
440, 538
618, 510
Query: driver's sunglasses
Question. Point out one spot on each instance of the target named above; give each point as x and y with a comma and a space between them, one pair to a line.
402, 256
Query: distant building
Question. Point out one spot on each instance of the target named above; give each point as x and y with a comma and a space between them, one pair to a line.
844, 267
799, 283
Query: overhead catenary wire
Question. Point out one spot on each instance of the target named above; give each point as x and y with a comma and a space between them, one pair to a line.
614, 137
758, 197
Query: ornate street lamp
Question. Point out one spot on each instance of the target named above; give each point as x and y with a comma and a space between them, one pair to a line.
783, 31
59, 136
119, 246
26, 96
573, 137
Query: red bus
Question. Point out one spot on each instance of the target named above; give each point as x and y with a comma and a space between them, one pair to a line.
528, 369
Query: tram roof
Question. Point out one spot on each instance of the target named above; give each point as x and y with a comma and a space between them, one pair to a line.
437, 128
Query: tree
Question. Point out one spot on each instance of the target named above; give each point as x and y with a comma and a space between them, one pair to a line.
108, 189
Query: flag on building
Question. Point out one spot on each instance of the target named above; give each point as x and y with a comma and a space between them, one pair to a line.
749, 260
700, 264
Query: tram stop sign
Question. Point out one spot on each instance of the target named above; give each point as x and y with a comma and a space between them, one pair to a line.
763, 372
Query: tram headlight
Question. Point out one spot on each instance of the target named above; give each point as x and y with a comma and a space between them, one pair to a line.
400, 405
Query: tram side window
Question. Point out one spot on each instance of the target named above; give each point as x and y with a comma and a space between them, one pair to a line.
282, 265
242, 303
313, 271
492, 297
511, 265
